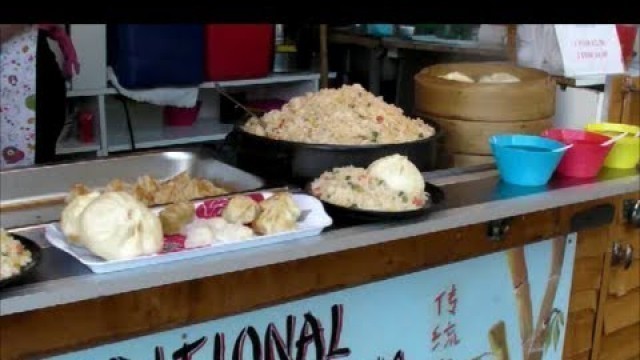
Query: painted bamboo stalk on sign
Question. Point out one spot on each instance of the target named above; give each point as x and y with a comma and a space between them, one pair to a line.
498, 341
520, 279
548, 328
549, 321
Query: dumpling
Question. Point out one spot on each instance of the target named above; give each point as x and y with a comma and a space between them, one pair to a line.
70, 217
224, 231
198, 234
175, 216
216, 223
144, 189
398, 173
273, 220
241, 209
204, 232
117, 185
233, 232
499, 78
283, 200
457, 76
77, 190
116, 226
279, 213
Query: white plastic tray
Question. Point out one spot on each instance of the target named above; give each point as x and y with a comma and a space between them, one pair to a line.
313, 221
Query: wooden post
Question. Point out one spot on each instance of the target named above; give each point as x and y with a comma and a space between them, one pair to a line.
324, 57
512, 42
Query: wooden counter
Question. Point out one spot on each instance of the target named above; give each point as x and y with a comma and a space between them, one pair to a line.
600, 325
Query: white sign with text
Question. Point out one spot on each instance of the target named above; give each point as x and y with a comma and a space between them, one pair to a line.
589, 49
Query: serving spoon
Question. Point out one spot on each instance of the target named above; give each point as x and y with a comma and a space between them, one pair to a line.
561, 149
615, 138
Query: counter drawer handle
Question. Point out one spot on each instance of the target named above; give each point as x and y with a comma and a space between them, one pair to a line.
632, 212
617, 254
628, 257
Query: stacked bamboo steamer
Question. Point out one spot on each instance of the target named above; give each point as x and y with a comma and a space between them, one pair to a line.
470, 113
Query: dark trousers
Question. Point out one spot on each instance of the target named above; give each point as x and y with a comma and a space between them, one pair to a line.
50, 102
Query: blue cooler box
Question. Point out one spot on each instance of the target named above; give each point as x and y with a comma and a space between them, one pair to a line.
150, 56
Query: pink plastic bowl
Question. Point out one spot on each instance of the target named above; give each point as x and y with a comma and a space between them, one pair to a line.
586, 157
176, 116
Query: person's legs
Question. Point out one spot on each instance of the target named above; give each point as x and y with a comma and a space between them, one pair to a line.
50, 102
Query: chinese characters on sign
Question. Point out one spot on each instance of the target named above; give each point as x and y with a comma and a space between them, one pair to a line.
590, 49
443, 335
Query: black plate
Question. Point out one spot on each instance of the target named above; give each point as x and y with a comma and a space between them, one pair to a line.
36, 254
436, 197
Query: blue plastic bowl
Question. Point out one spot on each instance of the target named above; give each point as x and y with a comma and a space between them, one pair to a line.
525, 160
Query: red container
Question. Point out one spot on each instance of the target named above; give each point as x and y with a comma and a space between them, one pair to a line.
238, 51
586, 157
85, 127
627, 36
176, 116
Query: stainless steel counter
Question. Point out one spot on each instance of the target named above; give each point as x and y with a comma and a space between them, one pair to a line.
473, 196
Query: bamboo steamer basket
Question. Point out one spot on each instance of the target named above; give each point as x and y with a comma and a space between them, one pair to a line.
464, 160
472, 137
532, 98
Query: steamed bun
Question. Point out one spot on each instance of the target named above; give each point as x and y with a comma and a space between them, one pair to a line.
398, 173
116, 226
241, 209
70, 217
499, 78
457, 76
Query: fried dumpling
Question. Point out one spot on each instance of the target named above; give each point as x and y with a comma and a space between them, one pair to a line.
166, 194
279, 213
241, 209
206, 188
117, 185
77, 190
175, 216
144, 189
283, 200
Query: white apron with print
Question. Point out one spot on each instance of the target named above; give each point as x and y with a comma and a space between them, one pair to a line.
18, 100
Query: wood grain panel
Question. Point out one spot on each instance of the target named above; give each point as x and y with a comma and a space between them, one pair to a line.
621, 345
621, 312
582, 356
114, 318
624, 107
624, 281
587, 273
583, 300
579, 333
593, 243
